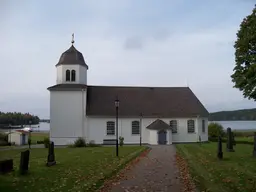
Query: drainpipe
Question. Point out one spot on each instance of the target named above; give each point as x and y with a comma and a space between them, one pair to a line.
140, 127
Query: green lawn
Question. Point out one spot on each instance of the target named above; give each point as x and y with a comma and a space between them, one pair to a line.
77, 169
244, 139
236, 172
38, 136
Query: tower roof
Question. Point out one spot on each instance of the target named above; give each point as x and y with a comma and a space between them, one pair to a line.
72, 57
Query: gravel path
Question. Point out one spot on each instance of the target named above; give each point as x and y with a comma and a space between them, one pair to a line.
155, 172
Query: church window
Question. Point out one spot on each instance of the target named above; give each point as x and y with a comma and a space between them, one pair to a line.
73, 75
173, 125
67, 75
135, 127
203, 126
191, 126
110, 128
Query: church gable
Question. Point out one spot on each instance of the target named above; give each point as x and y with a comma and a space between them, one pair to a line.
150, 102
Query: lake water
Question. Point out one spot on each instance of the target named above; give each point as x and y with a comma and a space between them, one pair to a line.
241, 125
45, 127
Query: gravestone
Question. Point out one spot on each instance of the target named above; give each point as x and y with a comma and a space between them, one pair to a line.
24, 161
6, 166
254, 145
233, 138
220, 153
51, 156
229, 140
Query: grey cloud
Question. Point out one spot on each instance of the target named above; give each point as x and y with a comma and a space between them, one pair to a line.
134, 42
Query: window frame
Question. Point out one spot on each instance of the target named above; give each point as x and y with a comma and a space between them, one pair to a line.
176, 123
68, 75
73, 75
137, 123
108, 126
189, 126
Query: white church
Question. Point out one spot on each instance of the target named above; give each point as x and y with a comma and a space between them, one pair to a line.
150, 115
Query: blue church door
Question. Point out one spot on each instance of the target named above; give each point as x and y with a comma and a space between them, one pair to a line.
162, 140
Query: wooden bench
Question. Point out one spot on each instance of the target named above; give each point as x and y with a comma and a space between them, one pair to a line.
109, 142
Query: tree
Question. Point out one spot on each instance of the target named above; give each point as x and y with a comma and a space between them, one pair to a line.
215, 130
244, 75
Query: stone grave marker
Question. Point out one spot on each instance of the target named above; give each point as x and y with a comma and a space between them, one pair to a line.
51, 156
233, 138
229, 140
24, 161
6, 166
254, 145
220, 153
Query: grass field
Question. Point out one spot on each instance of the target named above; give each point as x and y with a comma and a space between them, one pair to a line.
236, 172
77, 169
38, 136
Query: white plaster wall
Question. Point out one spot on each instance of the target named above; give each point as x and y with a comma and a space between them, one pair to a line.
15, 137
97, 130
153, 137
81, 74
66, 114
204, 136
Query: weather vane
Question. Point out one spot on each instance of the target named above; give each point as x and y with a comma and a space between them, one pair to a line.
73, 39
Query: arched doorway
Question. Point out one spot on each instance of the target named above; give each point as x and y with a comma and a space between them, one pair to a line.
162, 139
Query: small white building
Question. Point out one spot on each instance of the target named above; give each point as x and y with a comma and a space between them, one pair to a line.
19, 137
156, 115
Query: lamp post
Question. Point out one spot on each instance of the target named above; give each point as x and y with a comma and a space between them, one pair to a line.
117, 106
140, 126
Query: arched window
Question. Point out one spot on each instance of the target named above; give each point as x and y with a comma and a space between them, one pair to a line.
73, 75
173, 125
67, 75
110, 128
135, 128
191, 126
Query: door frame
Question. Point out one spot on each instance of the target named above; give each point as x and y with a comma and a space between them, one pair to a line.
158, 135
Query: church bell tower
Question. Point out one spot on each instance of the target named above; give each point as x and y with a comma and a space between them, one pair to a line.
68, 98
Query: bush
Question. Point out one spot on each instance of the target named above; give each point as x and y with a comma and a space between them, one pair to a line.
121, 141
4, 137
215, 130
3, 143
93, 144
80, 142
46, 142
40, 142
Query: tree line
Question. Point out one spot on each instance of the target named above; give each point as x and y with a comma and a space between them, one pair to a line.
17, 118
237, 115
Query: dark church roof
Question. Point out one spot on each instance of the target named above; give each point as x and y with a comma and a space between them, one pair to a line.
158, 125
148, 101
72, 57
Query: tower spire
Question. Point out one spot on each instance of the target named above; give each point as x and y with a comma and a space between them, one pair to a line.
73, 39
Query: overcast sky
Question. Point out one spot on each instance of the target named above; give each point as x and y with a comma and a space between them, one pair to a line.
128, 42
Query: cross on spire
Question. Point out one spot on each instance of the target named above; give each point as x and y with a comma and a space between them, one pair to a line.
73, 39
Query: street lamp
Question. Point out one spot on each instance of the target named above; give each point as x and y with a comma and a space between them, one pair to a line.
140, 126
117, 106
